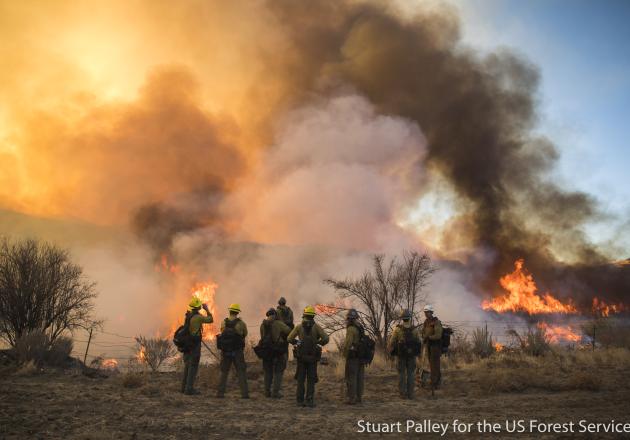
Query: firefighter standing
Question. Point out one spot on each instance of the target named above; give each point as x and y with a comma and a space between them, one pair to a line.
405, 344
307, 354
275, 332
231, 342
355, 368
284, 312
192, 356
432, 340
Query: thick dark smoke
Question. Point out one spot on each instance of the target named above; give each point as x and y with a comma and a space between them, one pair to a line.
477, 114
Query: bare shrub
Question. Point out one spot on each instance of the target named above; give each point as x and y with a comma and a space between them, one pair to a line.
41, 289
535, 342
482, 342
31, 347
460, 349
608, 332
379, 295
59, 351
132, 379
154, 351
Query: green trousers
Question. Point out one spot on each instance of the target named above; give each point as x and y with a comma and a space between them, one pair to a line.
237, 359
191, 366
274, 370
406, 366
355, 379
306, 372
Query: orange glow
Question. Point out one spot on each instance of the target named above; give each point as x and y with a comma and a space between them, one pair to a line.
560, 333
326, 309
141, 355
109, 364
166, 266
498, 347
206, 292
522, 297
601, 308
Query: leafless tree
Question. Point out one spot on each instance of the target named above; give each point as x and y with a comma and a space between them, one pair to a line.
41, 289
379, 295
154, 351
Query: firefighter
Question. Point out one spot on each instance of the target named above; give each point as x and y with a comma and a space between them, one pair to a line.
308, 353
231, 342
432, 340
191, 357
355, 368
405, 345
284, 312
274, 333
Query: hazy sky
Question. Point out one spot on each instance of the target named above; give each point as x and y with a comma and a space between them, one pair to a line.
582, 49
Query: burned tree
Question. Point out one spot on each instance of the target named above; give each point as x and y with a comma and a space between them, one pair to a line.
41, 290
379, 295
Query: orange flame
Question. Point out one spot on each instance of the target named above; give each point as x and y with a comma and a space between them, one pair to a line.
560, 333
206, 292
498, 347
141, 355
326, 309
522, 297
109, 364
166, 266
601, 308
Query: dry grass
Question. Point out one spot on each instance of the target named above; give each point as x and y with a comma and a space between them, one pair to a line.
132, 379
36, 347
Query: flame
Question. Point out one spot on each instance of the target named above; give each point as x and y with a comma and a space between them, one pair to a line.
326, 309
141, 356
206, 292
109, 364
522, 297
498, 347
601, 308
560, 333
165, 266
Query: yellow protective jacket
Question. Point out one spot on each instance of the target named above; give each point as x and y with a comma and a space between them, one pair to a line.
432, 330
317, 332
398, 335
279, 330
351, 343
240, 328
197, 320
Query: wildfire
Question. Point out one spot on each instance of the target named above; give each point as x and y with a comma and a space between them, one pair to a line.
601, 308
560, 333
326, 309
141, 355
109, 364
498, 347
522, 297
165, 266
206, 292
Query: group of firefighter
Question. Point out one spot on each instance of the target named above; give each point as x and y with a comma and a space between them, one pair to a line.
277, 331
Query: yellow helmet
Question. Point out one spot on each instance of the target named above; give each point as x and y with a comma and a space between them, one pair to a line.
195, 303
234, 308
309, 311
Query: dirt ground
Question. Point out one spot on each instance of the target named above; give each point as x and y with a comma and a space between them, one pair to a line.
63, 405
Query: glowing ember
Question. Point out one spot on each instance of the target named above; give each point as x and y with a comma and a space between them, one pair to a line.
600, 308
522, 297
109, 364
498, 347
560, 333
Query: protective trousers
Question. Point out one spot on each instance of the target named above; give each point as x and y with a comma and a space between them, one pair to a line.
435, 351
191, 365
237, 359
306, 372
406, 366
274, 369
355, 378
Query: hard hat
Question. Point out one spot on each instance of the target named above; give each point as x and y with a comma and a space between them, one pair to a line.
309, 311
282, 301
352, 314
271, 312
428, 308
234, 308
405, 314
195, 303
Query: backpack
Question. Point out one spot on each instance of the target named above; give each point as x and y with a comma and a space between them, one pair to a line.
446, 338
409, 346
182, 338
228, 340
308, 350
265, 347
366, 347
